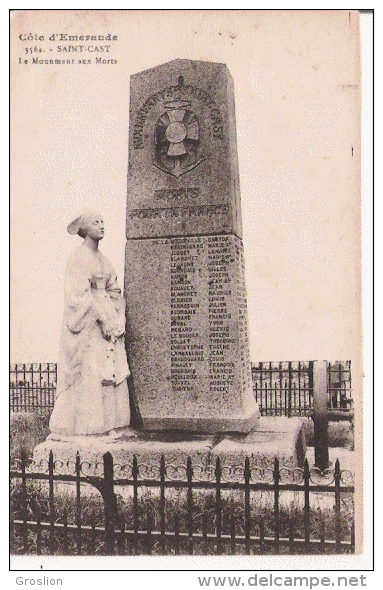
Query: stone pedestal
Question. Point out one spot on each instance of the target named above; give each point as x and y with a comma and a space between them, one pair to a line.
279, 437
273, 437
187, 338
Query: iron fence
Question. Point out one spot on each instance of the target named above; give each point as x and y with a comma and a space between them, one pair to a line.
32, 386
178, 509
284, 388
280, 388
339, 386
287, 388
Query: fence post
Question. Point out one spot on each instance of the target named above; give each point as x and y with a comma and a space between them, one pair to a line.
78, 504
337, 478
162, 505
276, 477
189, 474
320, 414
135, 473
218, 505
247, 473
51, 465
289, 412
24, 500
110, 504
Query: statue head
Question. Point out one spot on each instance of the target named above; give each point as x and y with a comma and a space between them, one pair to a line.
90, 224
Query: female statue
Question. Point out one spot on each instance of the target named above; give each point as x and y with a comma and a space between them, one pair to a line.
92, 393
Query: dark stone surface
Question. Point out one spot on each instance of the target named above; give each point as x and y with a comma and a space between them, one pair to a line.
184, 272
197, 191
187, 333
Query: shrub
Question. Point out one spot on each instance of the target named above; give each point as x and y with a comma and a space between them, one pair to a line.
27, 429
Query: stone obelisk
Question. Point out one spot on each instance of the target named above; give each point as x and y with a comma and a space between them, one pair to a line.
187, 335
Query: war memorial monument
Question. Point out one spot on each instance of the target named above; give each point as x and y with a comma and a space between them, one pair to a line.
186, 316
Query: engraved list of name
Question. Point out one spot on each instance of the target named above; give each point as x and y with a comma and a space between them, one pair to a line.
208, 315
187, 348
221, 328
242, 318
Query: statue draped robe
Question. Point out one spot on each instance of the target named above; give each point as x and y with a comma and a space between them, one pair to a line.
92, 393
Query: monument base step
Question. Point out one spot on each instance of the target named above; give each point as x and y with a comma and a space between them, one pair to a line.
273, 437
207, 425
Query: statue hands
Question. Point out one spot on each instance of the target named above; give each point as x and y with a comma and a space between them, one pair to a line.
111, 321
111, 333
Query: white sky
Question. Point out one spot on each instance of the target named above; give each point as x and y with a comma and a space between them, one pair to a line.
296, 83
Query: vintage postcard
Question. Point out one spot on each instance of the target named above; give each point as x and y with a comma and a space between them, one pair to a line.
186, 324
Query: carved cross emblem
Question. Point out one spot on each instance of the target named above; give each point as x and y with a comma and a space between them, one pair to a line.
176, 139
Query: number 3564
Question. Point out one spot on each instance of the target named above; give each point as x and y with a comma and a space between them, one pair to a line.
34, 49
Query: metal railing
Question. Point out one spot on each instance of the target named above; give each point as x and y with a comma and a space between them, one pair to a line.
219, 513
280, 388
284, 388
32, 386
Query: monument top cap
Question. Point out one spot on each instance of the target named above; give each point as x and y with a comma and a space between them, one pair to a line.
182, 63
183, 170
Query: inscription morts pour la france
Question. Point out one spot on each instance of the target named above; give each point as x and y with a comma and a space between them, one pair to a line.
187, 339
